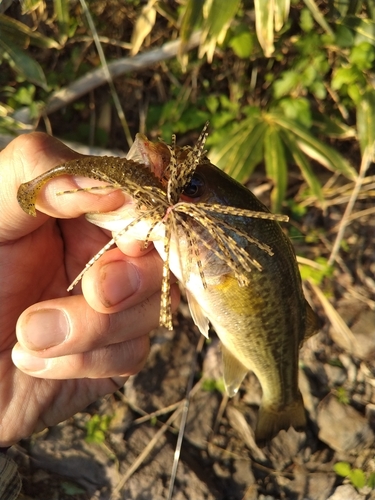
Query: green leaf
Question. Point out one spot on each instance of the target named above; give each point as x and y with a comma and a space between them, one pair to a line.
250, 153
276, 166
297, 109
242, 44
343, 76
20, 34
344, 37
24, 64
316, 149
62, 15
362, 56
286, 83
233, 140
290, 141
314, 274
366, 121
218, 15
192, 15
318, 16
371, 480
332, 128
306, 20
364, 29
281, 13
357, 478
342, 468
264, 16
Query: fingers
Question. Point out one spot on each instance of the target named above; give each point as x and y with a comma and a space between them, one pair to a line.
65, 338
29, 156
117, 281
120, 360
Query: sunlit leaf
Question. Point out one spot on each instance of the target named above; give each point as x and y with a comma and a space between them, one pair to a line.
366, 121
357, 478
276, 166
143, 26
30, 5
24, 64
281, 13
218, 15
264, 17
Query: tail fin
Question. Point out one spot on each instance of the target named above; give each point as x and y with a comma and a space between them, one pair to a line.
273, 419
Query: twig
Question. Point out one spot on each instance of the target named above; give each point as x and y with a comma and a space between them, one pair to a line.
140, 459
97, 77
107, 74
185, 411
366, 160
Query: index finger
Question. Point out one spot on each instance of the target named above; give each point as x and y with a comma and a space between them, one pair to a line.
24, 159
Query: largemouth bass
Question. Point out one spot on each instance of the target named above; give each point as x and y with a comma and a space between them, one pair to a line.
229, 252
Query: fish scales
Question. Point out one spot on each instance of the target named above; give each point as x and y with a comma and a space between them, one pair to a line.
237, 265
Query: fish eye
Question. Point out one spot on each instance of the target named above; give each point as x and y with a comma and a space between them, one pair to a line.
195, 187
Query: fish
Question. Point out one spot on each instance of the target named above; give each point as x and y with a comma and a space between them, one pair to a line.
236, 264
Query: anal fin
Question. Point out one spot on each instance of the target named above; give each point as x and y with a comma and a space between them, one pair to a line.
311, 324
199, 318
234, 372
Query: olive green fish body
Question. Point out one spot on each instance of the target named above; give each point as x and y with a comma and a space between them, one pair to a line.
261, 325
238, 267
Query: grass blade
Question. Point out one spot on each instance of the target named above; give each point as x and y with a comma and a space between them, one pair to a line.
366, 122
303, 163
316, 149
276, 166
264, 15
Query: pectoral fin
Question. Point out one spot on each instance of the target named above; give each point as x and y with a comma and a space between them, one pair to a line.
234, 372
197, 314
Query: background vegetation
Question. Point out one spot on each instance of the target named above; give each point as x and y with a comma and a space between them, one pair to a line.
281, 84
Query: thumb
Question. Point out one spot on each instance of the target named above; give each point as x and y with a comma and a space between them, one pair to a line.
24, 159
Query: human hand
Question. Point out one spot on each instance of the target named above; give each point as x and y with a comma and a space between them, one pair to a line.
72, 347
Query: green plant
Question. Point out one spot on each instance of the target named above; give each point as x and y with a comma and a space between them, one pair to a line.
15, 37
303, 102
211, 385
357, 477
97, 428
317, 273
342, 395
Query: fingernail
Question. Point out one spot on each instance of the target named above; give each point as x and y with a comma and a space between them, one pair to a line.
119, 280
25, 361
45, 328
